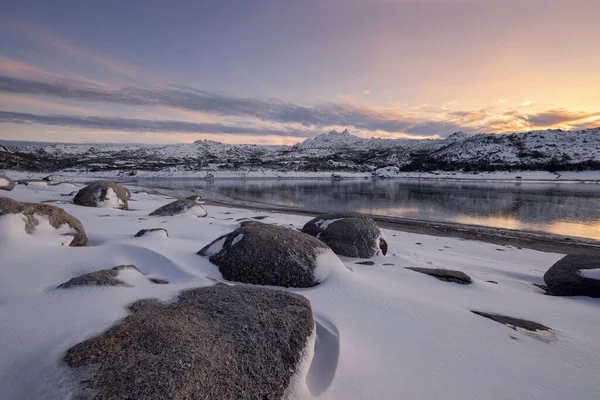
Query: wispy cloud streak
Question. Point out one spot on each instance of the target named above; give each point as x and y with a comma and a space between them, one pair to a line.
141, 125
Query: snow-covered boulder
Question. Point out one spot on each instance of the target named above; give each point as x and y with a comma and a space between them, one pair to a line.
103, 194
188, 206
6, 183
348, 234
48, 178
574, 275
271, 255
217, 342
104, 277
35, 215
387, 172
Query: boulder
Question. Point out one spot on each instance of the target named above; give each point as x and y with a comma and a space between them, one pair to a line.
48, 178
104, 277
187, 206
574, 275
271, 255
217, 342
447, 275
56, 216
152, 232
512, 322
348, 234
6, 183
103, 194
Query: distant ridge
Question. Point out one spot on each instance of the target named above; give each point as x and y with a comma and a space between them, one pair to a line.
333, 151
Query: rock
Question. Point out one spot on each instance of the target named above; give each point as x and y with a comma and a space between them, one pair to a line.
56, 216
365, 262
48, 178
188, 206
271, 255
447, 275
150, 231
348, 234
217, 342
104, 277
103, 194
566, 277
513, 323
6, 183
158, 281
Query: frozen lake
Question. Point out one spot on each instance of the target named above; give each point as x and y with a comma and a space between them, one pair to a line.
571, 209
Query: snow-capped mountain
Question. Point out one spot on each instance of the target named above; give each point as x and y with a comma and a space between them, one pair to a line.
333, 151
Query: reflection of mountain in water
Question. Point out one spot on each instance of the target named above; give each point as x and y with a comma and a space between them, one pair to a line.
525, 202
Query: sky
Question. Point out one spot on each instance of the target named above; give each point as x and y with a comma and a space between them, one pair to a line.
278, 72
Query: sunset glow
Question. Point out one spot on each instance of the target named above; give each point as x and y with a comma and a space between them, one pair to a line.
401, 69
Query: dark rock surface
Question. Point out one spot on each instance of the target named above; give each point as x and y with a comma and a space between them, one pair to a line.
8, 185
57, 217
104, 277
564, 279
145, 231
218, 342
365, 262
447, 275
348, 234
513, 323
268, 255
180, 206
96, 192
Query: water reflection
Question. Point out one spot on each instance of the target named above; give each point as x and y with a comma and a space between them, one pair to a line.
566, 209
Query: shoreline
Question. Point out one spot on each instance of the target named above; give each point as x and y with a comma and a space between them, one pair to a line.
568, 177
539, 241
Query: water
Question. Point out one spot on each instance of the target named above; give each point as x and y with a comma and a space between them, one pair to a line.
571, 209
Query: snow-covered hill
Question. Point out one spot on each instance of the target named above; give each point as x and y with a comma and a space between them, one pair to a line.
335, 152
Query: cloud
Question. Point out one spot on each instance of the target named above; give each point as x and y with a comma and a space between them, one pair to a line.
503, 100
442, 127
556, 117
366, 91
141, 125
383, 94
526, 103
186, 98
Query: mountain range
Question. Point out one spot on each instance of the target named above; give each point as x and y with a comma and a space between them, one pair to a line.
334, 151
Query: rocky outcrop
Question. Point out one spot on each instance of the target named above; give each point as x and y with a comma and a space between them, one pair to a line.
56, 217
271, 255
574, 275
103, 194
218, 342
152, 232
512, 322
104, 277
447, 275
188, 206
348, 234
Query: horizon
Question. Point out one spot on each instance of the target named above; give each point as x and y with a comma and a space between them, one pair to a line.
270, 74
9, 142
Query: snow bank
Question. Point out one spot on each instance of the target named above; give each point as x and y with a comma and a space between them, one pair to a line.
111, 200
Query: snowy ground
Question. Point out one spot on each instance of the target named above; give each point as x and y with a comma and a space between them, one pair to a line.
384, 332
